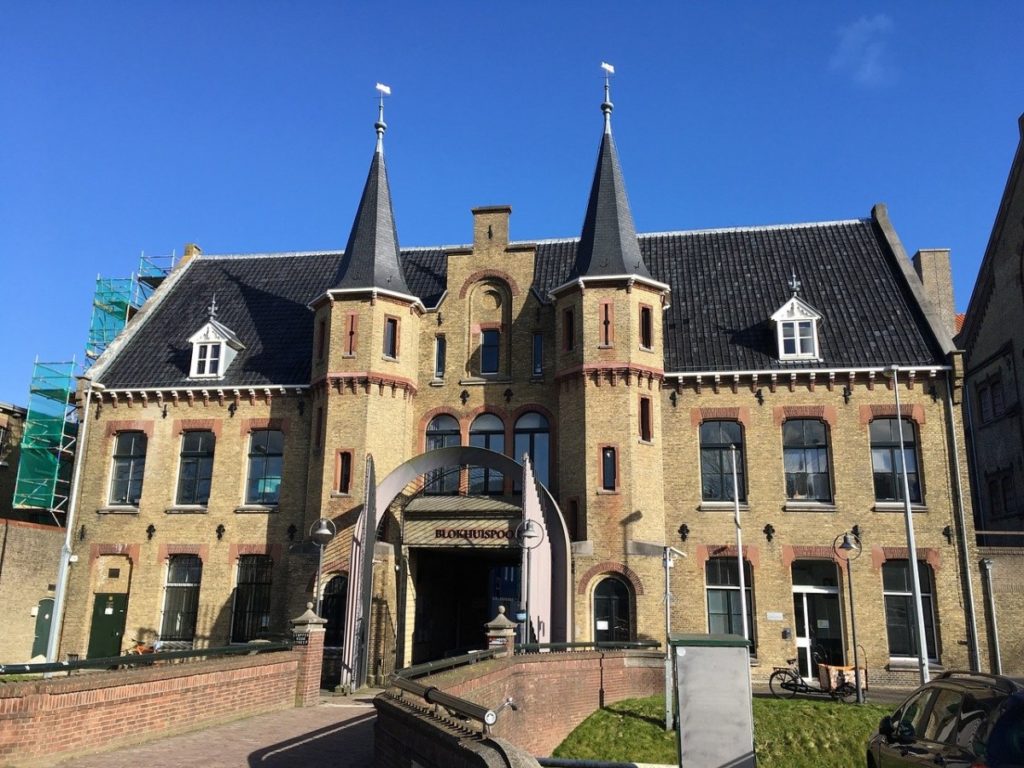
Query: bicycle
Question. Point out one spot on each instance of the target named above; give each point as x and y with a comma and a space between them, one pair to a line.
787, 682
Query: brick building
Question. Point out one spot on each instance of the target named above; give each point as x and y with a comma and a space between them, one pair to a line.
994, 342
241, 405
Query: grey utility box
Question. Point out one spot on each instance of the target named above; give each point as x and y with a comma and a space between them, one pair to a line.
716, 717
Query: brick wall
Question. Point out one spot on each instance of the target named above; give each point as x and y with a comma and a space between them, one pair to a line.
1008, 591
553, 693
28, 570
99, 711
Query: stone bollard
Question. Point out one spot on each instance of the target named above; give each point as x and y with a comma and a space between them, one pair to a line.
500, 634
308, 636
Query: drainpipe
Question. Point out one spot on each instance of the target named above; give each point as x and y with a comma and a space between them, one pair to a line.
965, 562
997, 659
63, 567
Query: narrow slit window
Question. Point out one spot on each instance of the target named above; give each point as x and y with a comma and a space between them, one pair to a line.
490, 348
345, 472
646, 327
391, 337
609, 469
440, 353
538, 354
569, 330
321, 335
646, 427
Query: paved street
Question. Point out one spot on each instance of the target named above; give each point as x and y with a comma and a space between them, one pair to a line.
338, 733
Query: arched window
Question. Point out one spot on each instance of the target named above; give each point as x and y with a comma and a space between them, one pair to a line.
886, 464
533, 436
442, 432
612, 613
333, 609
487, 431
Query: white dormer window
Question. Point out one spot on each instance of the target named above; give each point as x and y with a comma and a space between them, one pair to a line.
214, 347
796, 326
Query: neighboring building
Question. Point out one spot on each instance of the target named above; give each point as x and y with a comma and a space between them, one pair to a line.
242, 402
993, 337
28, 556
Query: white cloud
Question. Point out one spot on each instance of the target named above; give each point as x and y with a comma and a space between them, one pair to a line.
863, 52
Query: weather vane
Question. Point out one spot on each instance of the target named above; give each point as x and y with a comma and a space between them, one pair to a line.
794, 284
380, 125
606, 107
213, 307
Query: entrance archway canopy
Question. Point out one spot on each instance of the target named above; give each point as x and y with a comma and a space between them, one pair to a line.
550, 590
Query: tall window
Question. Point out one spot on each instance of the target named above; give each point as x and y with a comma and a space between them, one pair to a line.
196, 468
251, 613
646, 326
129, 467
609, 468
442, 432
391, 337
885, 460
538, 354
900, 624
490, 348
646, 420
487, 431
568, 330
440, 353
805, 457
344, 471
724, 606
335, 596
321, 339
181, 598
266, 460
716, 437
533, 436
208, 359
991, 398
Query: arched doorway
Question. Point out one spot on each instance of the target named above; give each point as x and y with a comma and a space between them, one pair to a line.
333, 610
613, 616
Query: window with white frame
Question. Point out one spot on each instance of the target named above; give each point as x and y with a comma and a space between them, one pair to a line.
900, 620
129, 468
796, 325
725, 606
214, 347
181, 598
266, 461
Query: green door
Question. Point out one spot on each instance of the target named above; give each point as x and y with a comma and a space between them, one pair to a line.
108, 616
44, 616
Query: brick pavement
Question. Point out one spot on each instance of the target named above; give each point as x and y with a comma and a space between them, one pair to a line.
338, 732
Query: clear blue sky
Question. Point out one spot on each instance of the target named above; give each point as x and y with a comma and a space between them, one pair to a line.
247, 127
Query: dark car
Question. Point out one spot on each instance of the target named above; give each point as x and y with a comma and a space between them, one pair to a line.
958, 720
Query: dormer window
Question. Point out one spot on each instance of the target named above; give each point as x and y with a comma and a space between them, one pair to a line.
796, 327
214, 347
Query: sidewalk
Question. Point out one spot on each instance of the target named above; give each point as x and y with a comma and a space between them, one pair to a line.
338, 733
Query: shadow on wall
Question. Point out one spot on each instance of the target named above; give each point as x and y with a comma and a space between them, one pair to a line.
344, 745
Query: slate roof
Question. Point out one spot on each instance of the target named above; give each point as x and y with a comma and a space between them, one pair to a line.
725, 286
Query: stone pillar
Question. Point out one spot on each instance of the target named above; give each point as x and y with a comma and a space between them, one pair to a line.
500, 634
308, 635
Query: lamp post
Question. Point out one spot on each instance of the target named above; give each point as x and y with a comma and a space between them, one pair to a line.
739, 544
669, 563
847, 547
321, 532
529, 535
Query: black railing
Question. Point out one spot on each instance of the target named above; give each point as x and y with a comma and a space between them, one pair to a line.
604, 645
142, 659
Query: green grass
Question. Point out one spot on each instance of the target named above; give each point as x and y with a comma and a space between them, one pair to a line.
787, 734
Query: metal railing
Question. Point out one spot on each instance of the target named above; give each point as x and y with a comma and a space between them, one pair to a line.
142, 659
606, 645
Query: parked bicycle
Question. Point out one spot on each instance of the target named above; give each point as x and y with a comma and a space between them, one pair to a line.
837, 682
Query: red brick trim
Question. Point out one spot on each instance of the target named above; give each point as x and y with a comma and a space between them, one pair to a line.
247, 426
930, 555
607, 568
483, 274
180, 426
699, 415
825, 413
131, 551
130, 425
34, 526
237, 550
705, 552
164, 551
868, 413
791, 553
352, 380
614, 372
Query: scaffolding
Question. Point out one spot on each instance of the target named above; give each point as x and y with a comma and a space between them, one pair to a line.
48, 443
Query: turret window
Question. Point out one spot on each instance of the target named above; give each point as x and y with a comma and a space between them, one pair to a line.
490, 350
568, 330
646, 327
391, 338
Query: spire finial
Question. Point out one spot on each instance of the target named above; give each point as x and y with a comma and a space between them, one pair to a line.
794, 284
606, 105
212, 309
380, 125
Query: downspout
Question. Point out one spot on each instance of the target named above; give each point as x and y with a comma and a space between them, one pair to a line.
997, 660
63, 567
972, 626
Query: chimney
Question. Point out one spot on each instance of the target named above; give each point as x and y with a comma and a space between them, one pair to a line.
191, 249
490, 227
932, 265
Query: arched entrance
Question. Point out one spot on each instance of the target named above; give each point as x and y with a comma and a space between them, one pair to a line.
548, 590
613, 619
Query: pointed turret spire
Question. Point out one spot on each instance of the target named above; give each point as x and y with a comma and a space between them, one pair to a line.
608, 244
371, 257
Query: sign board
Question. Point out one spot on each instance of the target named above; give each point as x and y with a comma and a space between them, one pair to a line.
478, 533
302, 639
774, 616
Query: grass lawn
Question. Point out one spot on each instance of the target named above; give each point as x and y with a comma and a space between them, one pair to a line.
787, 733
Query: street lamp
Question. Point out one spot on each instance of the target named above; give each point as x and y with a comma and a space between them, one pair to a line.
529, 535
321, 532
847, 547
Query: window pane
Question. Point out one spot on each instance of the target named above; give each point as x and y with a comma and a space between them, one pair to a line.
489, 347
880, 431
